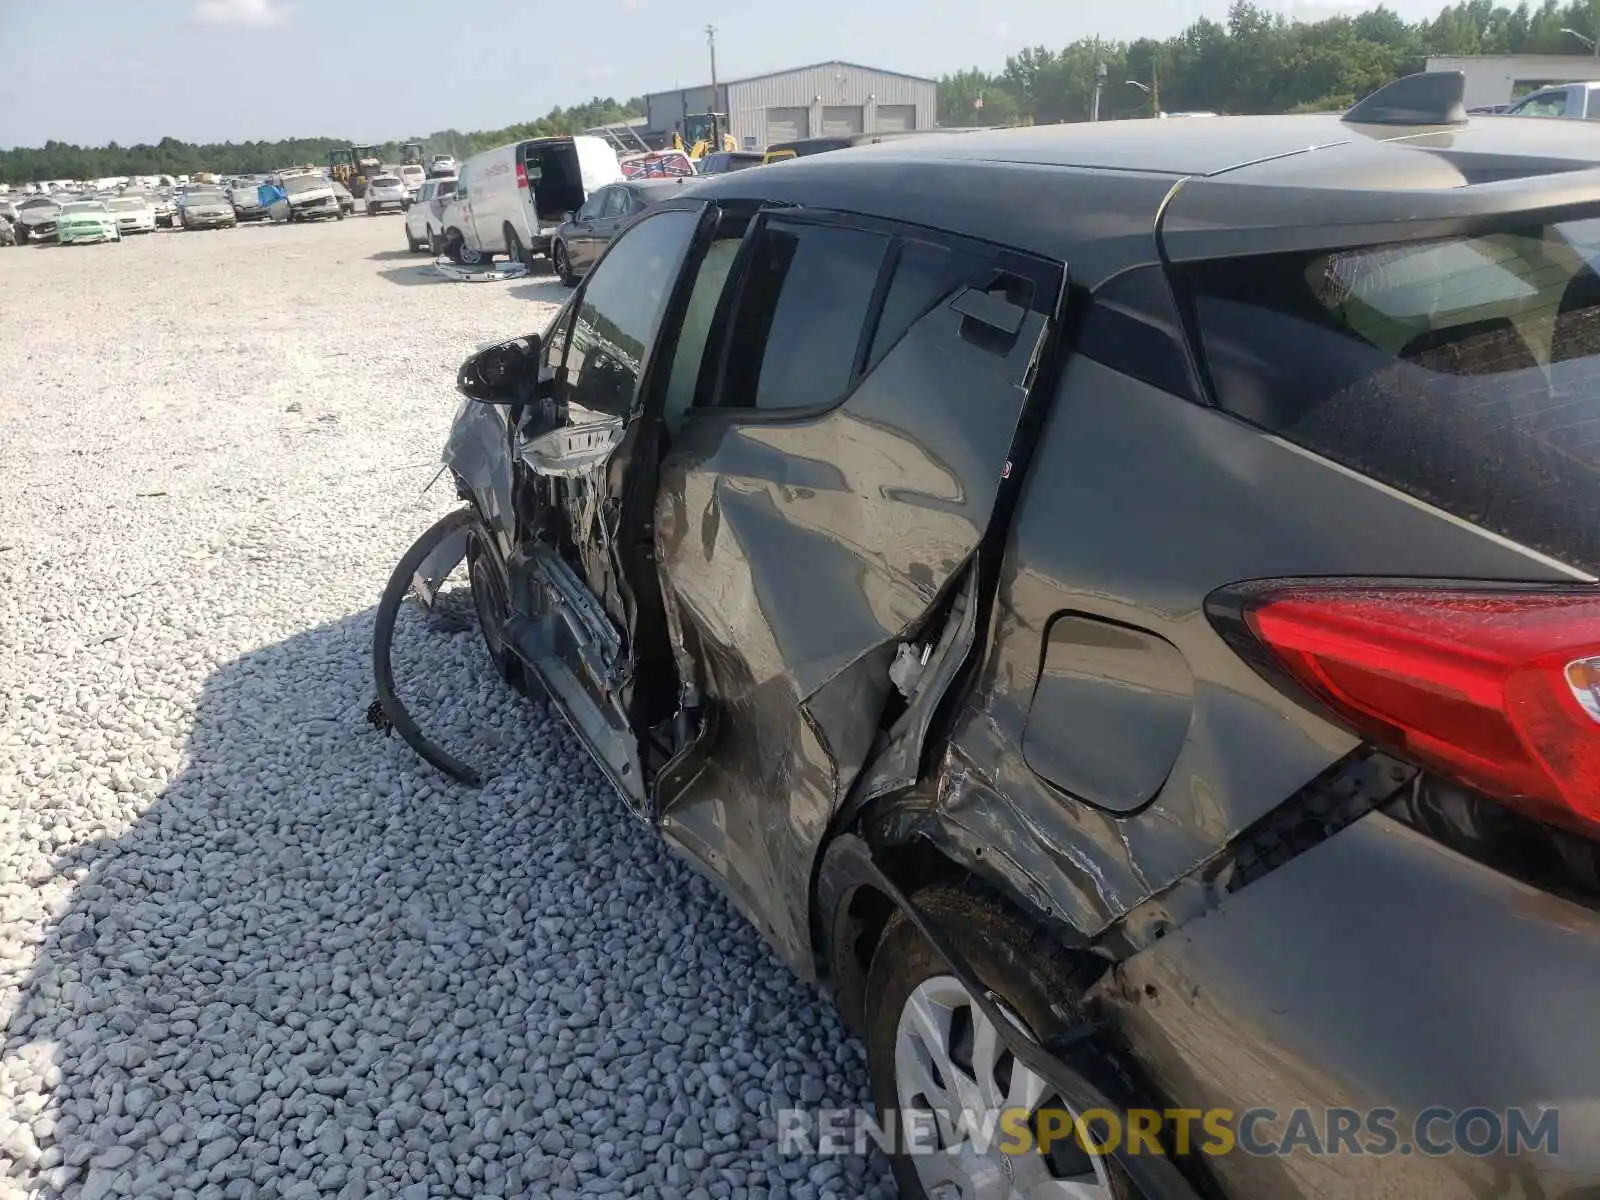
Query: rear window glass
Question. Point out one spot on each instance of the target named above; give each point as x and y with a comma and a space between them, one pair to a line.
1465, 371
806, 297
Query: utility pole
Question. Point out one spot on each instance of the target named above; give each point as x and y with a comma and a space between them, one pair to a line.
1099, 86
711, 44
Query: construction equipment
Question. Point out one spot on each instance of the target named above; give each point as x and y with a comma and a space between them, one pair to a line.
704, 133
411, 154
353, 166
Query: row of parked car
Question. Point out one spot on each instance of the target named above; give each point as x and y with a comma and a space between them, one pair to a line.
292, 194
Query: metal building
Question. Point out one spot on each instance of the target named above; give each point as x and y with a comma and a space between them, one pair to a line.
1494, 79
824, 98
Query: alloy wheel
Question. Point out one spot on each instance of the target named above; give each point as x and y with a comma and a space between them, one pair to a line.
951, 1064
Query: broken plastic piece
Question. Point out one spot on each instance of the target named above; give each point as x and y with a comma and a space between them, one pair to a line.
906, 670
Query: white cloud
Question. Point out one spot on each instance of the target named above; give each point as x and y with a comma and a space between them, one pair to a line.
633, 5
253, 14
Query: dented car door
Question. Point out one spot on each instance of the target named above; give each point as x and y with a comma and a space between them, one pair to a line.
842, 409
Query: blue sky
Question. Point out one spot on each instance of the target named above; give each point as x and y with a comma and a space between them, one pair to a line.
92, 71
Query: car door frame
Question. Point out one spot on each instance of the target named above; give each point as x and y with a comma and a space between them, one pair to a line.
581, 251
633, 493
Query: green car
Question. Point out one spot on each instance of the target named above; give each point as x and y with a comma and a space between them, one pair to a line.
86, 221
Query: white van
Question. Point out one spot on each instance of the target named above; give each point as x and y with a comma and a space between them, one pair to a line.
509, 200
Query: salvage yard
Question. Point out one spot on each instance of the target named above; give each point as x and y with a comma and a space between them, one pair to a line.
250, 947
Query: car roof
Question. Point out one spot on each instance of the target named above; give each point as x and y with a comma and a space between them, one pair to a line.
1092, 195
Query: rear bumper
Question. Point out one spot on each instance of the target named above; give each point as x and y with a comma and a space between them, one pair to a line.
1379, 970
386, 205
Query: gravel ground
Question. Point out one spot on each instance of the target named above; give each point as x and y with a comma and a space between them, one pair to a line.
249, 947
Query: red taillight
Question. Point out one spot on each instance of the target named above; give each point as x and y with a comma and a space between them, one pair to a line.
1498, 689
522, 176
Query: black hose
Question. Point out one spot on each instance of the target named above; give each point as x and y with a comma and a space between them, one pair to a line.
394, 714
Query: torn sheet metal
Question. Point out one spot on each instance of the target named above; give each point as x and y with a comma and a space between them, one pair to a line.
484, 272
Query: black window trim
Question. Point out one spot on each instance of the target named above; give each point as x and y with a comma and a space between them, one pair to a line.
1048, 277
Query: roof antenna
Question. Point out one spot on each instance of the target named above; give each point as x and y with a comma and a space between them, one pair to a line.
1426, 98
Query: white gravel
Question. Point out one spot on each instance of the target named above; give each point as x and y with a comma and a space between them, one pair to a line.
248, 947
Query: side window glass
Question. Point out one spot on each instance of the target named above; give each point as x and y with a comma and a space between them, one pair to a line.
620, 310
698, 320
924, 274
616, 202
591, 206
803, 304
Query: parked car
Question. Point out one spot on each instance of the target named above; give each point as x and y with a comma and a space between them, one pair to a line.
205, 207
245, 196
1118, 602
385, 193
1572, 101
723, 161
8, 210
8, 232
413, 176
512, 199
166, 209
134, 213
307, 197
84, 221
579, 242
442, 164
425, 217
36, 218
347, 202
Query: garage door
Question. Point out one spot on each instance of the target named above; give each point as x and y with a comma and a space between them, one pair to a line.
839, 120
895, 118
787, 124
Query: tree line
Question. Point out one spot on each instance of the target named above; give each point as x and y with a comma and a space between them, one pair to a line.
1256, 61
170, 156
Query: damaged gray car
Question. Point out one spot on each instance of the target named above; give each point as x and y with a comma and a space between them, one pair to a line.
1117, 604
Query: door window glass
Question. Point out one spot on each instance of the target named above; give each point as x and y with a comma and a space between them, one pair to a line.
616, 203
620, 310
1543, 104
804, 301
591, 206
698, 320
924, 274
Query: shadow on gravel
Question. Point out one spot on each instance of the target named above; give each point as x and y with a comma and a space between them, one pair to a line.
315, 967
391, 255
416, 276
547, 288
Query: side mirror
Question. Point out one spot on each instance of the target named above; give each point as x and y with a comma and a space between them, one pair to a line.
507, 373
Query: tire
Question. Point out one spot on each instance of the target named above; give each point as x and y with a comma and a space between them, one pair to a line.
558, 257
460, 253
434, 246
411, 243
1028, 975
514, 248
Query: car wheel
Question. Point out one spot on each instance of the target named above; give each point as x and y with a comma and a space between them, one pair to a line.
434, 248
411, 243
558, 255
514, 249
931, 1051
462, 253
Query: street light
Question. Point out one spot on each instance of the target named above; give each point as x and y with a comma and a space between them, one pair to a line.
1588, 41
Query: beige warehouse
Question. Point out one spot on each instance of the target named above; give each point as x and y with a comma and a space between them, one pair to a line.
829, 98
